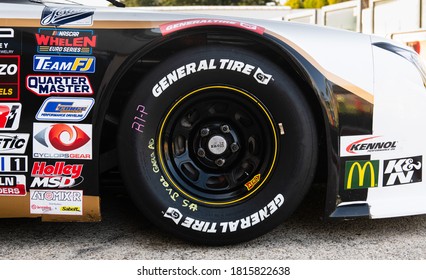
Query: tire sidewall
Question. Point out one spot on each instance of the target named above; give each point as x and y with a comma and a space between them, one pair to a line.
154, 194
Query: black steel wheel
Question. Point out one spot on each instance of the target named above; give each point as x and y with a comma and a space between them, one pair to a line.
217, 145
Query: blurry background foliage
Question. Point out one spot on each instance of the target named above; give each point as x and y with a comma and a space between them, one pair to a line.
295, 4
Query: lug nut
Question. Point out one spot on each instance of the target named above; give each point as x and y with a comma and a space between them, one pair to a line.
201, 152
234, 147
219, 162
225, 128
204, 132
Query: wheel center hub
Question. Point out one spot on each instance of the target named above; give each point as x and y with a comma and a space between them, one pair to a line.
217, 145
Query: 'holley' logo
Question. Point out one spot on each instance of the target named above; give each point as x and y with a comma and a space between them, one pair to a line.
365, 145
60, 175
402, 171
66, 16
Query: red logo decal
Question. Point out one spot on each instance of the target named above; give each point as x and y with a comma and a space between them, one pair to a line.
76, 139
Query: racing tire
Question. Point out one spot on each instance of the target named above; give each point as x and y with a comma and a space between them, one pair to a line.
217, 145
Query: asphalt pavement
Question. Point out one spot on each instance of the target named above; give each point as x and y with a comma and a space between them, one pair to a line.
125, 235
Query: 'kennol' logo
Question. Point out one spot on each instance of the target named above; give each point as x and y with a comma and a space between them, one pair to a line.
62, 141
402, 171
365, 145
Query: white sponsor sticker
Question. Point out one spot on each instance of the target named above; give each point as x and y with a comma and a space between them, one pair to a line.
13, 143
62, 141
56, 202
65, 109
46, 85
362, 145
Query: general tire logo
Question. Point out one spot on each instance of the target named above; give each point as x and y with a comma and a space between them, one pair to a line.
173, 214
262, 78
62, 141
361, 174
402, 171
66, 16
9, 77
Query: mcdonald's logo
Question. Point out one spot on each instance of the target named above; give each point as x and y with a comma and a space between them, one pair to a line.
361, 174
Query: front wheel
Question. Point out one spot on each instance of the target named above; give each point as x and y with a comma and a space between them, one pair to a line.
217, 145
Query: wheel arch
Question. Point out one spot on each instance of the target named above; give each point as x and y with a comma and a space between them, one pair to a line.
304, 74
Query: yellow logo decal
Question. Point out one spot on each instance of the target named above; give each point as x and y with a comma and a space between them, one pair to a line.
364, 179
250, 184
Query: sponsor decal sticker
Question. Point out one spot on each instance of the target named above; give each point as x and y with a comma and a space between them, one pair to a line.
402, 171
361, 174
64, 64
226, 226
12, 185
184, 24
65, 109
13, 143
10, 115
9, 77
13, 163
56, 202
59, 175
250, 184
66, 16
365, 145
46, 85
210, 64
62, 141
65, 41
6, 37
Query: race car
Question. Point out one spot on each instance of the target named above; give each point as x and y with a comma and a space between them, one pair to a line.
217, 126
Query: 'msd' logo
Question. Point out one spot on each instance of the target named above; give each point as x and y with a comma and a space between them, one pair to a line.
62, 141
